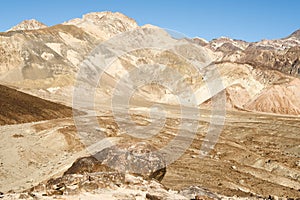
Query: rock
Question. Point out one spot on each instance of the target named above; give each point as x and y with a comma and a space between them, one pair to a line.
200, 197
55, 187
88, 186
138, 159
24, 196
54, 192
297, 163
133, 180
87, 165
73, 184
128, 165
153, 197
110, 185
195, 192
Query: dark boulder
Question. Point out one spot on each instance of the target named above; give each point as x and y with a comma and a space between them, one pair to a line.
138, 159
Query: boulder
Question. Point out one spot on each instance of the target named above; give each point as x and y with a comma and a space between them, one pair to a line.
138, 159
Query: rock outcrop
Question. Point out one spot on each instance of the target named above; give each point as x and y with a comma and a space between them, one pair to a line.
118, 172
139, 159
100, 186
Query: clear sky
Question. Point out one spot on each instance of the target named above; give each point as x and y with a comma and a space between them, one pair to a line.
250, 20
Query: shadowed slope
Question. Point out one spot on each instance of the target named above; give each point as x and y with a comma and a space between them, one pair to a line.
17, 107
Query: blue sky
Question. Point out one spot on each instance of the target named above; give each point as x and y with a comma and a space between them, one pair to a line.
250, 20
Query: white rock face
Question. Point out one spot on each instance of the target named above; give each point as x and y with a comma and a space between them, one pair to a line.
31, 24
104, 25
55, 47
47, 56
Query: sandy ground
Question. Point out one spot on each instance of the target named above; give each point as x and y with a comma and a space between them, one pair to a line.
33, 152
255, 153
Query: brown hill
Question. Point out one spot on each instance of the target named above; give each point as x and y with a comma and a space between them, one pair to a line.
280, 99
18, 107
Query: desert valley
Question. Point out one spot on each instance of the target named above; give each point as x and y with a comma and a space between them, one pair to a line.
99, 107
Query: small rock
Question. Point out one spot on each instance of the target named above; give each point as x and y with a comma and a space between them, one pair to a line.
88, 186
130, 179
198, 197
24, 196
153, 197
241, 181
54, 192
29, 181
193, 191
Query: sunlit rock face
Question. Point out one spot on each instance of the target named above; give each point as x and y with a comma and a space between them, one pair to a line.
27, 25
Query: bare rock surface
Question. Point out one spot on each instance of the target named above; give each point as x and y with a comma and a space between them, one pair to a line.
139, 159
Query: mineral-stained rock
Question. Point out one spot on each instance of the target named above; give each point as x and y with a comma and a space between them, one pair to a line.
152, 197
139, 159
128, 165
87, 165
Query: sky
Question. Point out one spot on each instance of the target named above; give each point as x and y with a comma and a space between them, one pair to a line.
250, 20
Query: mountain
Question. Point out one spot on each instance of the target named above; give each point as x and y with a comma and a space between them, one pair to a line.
295, 34
46, 61
104, 25
27, 25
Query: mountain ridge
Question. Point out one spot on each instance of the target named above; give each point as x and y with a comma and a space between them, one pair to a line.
50, 57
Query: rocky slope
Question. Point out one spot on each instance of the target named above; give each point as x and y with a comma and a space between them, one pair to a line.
17, 107
93, 178
256, 156
270, 64
279, 54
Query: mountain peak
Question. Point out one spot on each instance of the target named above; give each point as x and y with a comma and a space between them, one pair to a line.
100, 17
112, 15
31, 24
295, 34
104, 24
